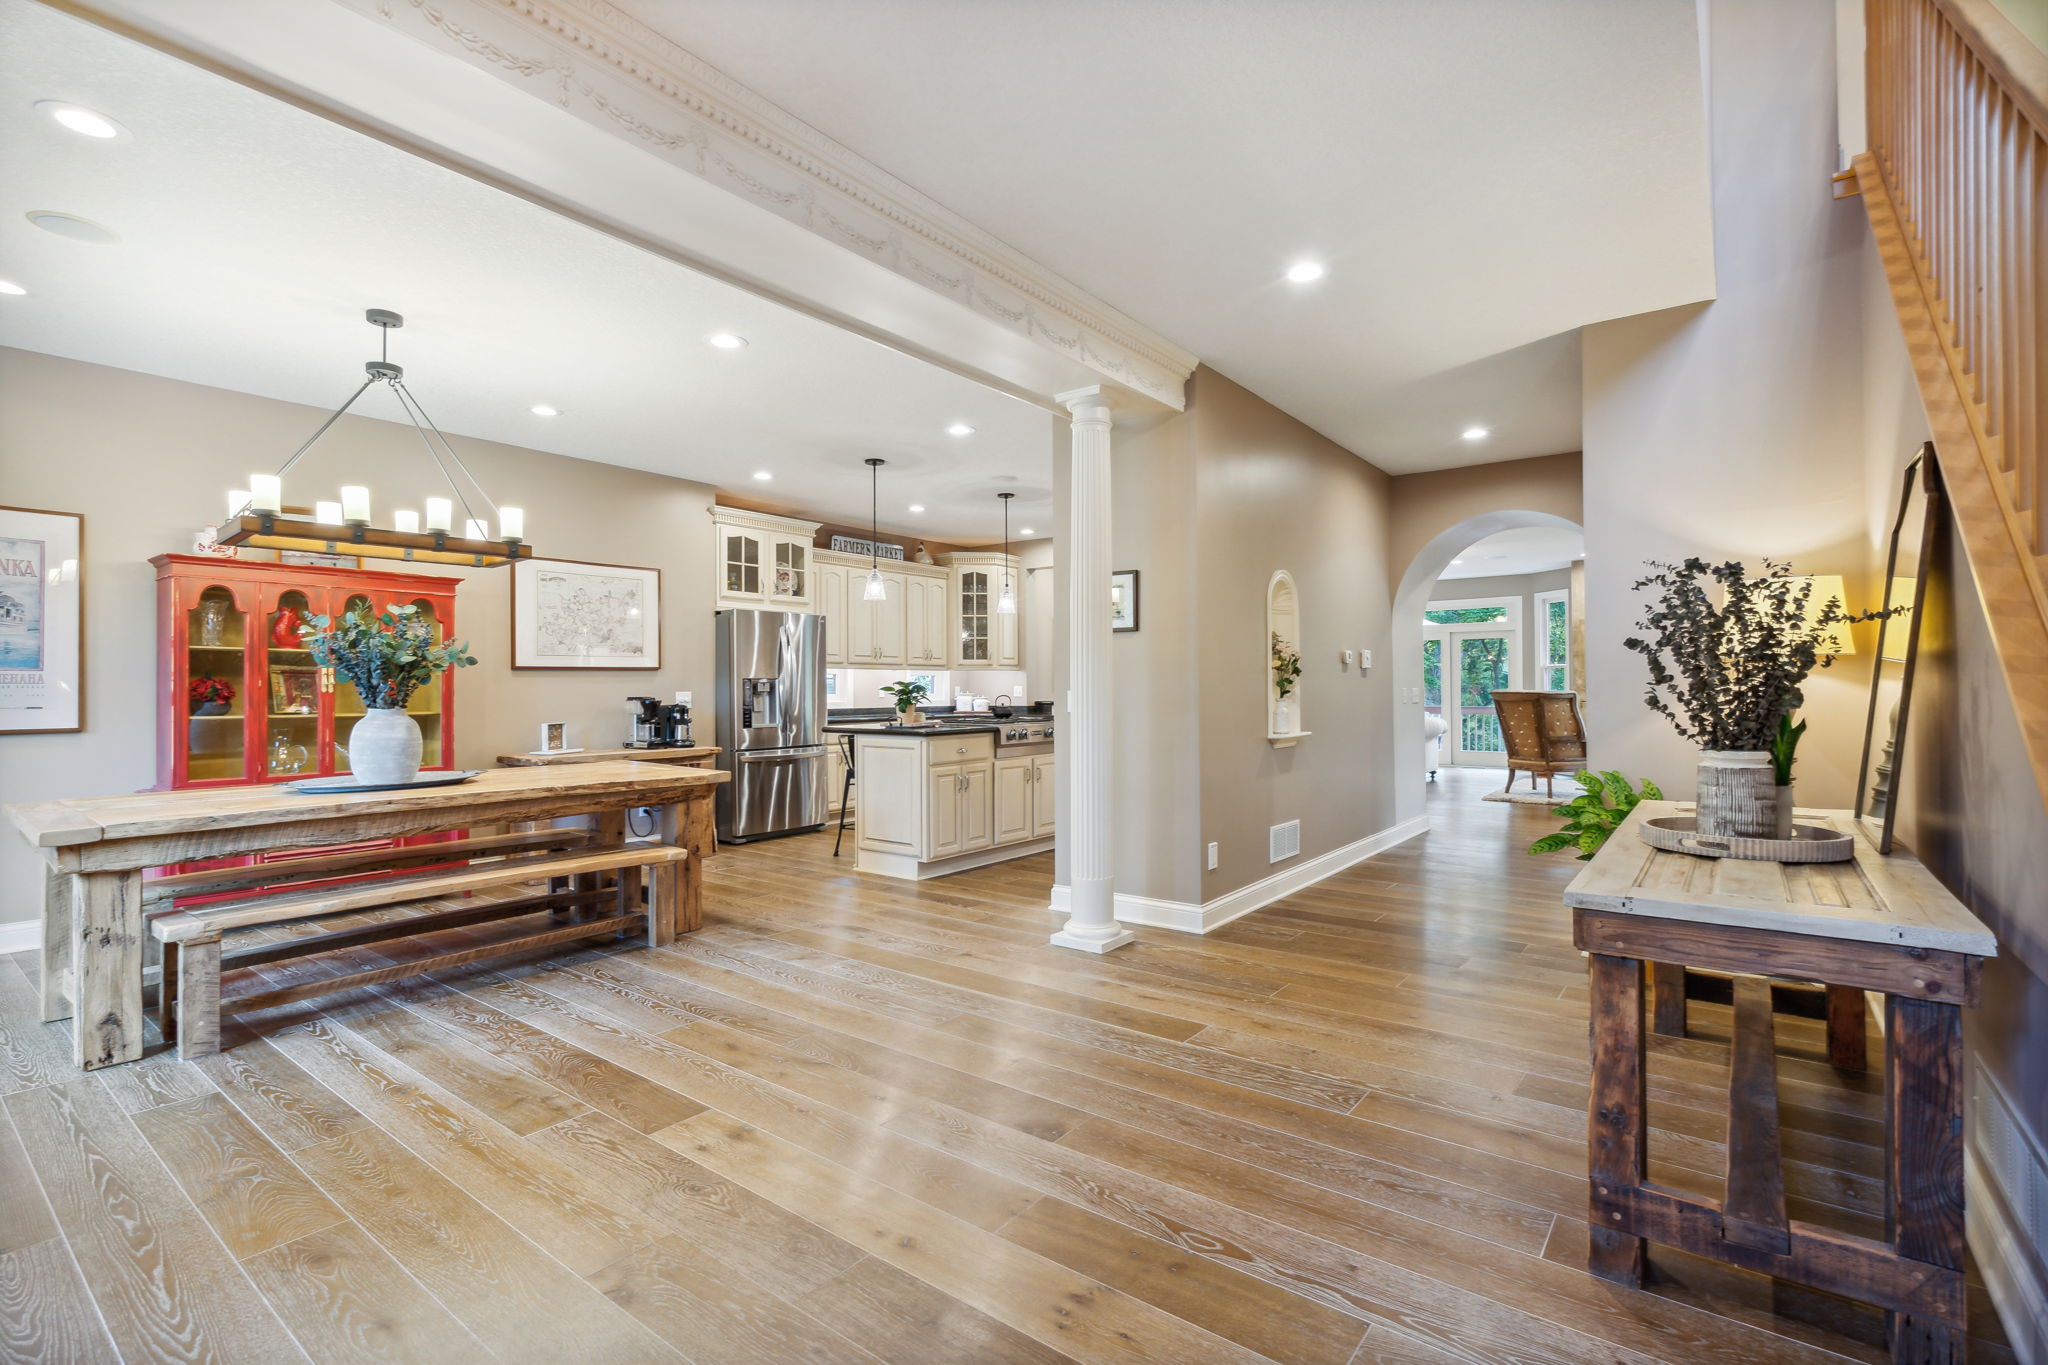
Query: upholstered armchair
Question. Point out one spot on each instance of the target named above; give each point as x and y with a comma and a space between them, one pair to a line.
1544, 734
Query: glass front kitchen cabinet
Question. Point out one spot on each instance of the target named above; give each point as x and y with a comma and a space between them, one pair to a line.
239, 697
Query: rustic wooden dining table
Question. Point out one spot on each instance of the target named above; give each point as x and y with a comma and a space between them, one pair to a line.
1878, 922
96, 849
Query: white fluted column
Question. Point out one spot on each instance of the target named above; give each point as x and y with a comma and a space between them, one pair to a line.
1084, 735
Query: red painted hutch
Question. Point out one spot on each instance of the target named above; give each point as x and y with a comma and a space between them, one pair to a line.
235, 621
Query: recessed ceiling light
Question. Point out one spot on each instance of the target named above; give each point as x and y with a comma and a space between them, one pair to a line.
81, 120
1305, 272
917, 507
763, 476
10, 287
72, 226
959, 429
543, 410
726, 341
1475, 433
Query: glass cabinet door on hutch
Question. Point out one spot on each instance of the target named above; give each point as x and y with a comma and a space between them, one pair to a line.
290, 684
208, 692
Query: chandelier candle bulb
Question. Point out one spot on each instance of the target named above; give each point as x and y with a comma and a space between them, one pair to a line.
355, 504
266, 493
406, 520
440, 514
327, 513
511, 523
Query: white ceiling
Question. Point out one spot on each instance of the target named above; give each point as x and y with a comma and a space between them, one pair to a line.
254, 234
1532, 549
1482, 176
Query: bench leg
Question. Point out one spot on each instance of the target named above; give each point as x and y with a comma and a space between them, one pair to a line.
662, 901
198, 999
167, 994
631, 902
689, 894
54, 968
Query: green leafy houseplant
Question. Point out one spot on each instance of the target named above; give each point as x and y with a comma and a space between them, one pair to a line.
387, 655
1286, 667
1590, 818
1784, 744
910, 694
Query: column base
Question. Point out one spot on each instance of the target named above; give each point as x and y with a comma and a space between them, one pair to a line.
1093, 940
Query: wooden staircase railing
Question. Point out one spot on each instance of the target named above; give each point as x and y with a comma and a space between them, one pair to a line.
1956, 186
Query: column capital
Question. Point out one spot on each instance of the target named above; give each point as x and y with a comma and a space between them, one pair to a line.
1099, 396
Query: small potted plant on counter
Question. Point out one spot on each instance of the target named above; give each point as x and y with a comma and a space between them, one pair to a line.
387, 656
910, 694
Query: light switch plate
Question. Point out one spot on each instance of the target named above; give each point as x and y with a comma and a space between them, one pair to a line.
1344, 659
1212, 855
1365, 658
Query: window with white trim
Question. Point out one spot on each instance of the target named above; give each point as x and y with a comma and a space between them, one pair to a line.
1553, 641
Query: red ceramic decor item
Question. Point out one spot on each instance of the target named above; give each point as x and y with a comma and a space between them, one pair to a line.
284, 630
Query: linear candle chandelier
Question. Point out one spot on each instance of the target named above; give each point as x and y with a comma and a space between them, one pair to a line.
257, 516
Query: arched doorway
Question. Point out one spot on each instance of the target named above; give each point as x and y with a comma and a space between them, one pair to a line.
1411, 598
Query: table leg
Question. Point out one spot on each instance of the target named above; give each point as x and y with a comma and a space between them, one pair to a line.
1667, 998
54, 968
1847, 1034
1616, 1131
107, 951
1924, 1160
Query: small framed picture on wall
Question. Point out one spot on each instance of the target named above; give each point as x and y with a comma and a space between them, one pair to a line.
572, 615
1123, 600
42, 621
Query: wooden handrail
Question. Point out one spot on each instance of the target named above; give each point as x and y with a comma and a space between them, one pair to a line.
1956, 187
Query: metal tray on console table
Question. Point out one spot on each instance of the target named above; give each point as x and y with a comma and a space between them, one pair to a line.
1808, 844
345, 782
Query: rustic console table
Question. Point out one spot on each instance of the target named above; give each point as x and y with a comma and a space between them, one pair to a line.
1877, 923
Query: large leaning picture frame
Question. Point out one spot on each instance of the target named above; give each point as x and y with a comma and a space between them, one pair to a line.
1898, 642
42, 621
568, 614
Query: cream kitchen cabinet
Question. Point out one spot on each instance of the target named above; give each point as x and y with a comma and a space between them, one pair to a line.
928, 620
831, 604
983, 637
957, 815
764, 561
906, 629
1023, 798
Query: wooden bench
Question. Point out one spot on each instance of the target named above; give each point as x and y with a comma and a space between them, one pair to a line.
161, 893
190, 1002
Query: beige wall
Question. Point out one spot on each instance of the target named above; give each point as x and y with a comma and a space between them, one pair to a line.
1272, 494
1731, 430
1426, 505
148, 460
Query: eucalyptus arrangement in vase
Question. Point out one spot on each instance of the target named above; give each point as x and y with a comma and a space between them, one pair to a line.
1286, 676
386, 656
1728, 677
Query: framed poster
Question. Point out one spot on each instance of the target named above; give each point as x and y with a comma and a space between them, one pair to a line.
567, 614
42, 621
1123, 600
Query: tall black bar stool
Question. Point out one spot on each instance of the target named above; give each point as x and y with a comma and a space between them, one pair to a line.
845, 789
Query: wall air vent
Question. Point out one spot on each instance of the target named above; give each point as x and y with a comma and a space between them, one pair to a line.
1283, 842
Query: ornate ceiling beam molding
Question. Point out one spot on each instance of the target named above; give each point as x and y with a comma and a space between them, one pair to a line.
609, 70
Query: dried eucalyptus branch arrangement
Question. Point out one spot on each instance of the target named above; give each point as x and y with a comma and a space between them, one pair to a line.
1725, 675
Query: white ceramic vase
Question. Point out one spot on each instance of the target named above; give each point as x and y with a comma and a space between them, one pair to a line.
1283, 717
384, 748
1738, 794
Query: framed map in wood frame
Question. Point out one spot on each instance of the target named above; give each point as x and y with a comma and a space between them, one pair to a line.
569, 614
42, 621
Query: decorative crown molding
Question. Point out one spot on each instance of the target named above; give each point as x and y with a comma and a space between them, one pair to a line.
599, 63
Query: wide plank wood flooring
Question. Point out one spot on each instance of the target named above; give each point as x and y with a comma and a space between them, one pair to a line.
856, 1120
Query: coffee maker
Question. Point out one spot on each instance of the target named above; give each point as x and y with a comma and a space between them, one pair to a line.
675, 719
647, 728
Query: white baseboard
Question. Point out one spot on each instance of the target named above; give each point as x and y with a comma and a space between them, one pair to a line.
1189, 918
2007, 1196
21, 936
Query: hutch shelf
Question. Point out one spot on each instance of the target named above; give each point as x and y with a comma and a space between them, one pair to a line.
237, 622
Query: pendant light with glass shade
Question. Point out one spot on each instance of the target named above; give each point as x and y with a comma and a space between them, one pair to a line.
876, 590
1006, 604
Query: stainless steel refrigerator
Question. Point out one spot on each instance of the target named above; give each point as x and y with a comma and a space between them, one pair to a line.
771, 723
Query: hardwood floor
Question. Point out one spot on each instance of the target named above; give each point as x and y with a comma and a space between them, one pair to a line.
857, 1120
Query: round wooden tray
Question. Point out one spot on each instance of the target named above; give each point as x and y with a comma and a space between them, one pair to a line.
1808, 844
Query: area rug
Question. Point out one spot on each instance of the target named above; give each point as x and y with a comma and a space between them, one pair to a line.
1522, 796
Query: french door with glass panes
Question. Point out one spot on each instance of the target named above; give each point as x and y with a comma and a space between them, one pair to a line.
1462, 667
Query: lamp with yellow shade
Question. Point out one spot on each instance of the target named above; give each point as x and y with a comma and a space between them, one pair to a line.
1898, 633
1836, 639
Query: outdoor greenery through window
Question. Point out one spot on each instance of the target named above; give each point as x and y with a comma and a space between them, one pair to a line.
1553, 633
1480, 664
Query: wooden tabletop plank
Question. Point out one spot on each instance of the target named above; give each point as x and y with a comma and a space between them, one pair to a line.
148, 814
1875, 898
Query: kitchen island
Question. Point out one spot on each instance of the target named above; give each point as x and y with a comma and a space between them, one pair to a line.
951, 794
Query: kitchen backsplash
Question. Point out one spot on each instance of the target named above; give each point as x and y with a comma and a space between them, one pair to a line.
849, 687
